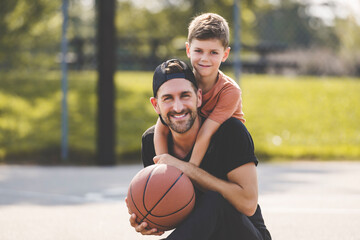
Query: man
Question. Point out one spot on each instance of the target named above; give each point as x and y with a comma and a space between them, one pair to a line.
226, 202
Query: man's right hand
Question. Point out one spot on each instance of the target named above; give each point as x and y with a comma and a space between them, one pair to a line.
142, 227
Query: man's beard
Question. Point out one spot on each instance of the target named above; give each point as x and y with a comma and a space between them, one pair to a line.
183, 125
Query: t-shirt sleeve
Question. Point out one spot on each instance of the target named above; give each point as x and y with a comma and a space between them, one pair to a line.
237, 145
147, 147
228, 102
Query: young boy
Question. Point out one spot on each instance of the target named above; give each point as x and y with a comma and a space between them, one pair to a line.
207, 48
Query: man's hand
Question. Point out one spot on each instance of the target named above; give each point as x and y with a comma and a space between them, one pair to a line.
142, 227
170, 160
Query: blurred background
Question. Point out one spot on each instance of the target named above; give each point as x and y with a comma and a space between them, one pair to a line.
297, 63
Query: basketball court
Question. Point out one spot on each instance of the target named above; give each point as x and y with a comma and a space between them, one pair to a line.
300, 200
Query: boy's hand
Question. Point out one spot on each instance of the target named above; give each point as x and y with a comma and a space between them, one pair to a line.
169, 160
142, 227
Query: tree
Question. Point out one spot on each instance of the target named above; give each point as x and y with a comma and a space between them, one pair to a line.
29, 33
106, 87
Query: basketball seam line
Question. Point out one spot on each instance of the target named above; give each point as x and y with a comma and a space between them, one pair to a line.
141, 212
192, 197
149, 212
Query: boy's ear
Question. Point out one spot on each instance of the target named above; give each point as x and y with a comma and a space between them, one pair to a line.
155, 105
226, 54
187, 45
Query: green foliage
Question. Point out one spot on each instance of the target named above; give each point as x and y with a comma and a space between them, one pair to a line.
29, 29
304, 117
151, 31
30, 126
291, 24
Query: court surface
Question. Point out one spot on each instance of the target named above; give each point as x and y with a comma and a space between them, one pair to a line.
300, 201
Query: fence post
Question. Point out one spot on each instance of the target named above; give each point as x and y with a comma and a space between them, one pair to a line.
236, 52
106, 42
64, 83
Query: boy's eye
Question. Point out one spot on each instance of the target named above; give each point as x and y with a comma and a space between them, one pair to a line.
197, 50
214, 53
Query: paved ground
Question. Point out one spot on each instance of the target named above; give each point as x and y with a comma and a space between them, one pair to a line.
302, 200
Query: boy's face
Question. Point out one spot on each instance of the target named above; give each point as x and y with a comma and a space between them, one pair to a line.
206, 56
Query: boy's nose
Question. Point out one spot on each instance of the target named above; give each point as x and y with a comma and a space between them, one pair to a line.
204, 57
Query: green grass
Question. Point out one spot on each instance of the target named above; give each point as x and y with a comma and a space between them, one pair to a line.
302, 117
306, 117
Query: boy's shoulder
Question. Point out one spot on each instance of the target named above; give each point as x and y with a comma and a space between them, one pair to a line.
226, 80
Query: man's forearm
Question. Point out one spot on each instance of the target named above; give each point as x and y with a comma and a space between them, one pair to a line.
242, 196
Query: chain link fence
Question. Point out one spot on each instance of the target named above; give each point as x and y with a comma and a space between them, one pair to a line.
281, 37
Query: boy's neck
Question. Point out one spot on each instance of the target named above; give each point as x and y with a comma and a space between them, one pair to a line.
206, 83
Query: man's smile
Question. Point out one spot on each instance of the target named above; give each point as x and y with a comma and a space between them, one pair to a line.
178, 116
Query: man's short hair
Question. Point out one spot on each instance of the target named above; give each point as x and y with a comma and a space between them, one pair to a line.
209, 26
171, 69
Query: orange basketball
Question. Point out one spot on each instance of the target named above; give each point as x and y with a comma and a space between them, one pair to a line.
161, 195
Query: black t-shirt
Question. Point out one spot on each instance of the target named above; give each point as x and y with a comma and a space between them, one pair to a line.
230, 147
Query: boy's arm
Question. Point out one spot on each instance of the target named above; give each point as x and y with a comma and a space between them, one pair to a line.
160, 138
227, 104
203, 138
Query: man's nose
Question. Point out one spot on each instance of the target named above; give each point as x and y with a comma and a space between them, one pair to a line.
178, 106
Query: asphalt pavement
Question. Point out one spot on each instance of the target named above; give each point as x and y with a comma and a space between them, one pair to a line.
300, 200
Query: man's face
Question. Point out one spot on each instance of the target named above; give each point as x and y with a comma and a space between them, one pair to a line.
177, 103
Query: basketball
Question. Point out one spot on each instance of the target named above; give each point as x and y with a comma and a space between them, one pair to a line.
161, 195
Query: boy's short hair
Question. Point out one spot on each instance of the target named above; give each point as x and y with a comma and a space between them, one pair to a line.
209, 26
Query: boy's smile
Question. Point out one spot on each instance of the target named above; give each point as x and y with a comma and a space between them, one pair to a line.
206, 56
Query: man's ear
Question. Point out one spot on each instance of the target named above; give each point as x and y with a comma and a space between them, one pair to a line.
155, 105
226, 54
187, 45
199, 97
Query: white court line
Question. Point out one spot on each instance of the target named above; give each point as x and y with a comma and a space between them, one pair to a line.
89, 197
313, 210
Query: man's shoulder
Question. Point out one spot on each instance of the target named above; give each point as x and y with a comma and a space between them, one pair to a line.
232, 129
232, 124
149, 133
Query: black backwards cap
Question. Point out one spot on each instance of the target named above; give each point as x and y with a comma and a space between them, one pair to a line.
160, 75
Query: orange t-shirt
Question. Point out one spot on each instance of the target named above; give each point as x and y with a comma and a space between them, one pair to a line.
223, 101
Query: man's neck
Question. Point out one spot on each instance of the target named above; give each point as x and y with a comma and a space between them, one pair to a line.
184, 142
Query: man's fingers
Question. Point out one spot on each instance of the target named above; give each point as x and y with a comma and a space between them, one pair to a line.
141, 227
133, 220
